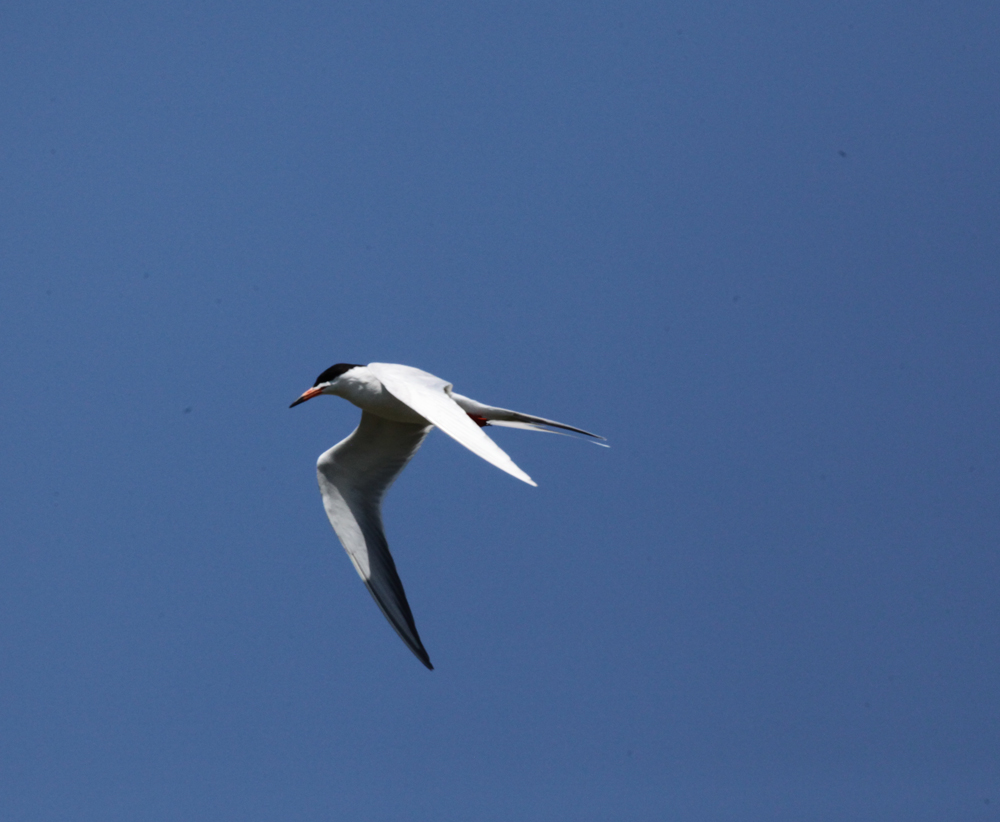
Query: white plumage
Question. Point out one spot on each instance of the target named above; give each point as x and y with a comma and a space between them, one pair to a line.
399, 407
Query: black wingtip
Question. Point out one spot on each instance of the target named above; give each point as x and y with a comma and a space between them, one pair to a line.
421, 653
418, 648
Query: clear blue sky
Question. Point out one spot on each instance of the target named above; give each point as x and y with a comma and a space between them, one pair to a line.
754, 244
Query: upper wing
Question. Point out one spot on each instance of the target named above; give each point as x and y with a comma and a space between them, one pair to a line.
353, 477
430, 397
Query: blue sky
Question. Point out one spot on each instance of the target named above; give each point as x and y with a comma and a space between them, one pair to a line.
755, 245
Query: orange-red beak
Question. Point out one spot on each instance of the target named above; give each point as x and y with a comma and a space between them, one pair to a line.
312, 392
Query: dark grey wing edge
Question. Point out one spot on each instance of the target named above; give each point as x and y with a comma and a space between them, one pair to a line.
386, 589
516, 416
494, 414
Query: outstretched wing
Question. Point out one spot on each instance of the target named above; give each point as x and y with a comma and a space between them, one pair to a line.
353, 477
430, 397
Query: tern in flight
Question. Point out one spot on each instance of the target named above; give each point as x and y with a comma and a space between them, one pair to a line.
399, 406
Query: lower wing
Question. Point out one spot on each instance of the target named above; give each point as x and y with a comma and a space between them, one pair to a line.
353, 478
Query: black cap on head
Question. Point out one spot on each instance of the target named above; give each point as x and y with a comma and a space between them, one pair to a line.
335, 371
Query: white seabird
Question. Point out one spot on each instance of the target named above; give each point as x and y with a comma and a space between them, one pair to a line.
399, 406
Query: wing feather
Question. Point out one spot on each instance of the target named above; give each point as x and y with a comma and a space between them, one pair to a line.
430, 397
353, 477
